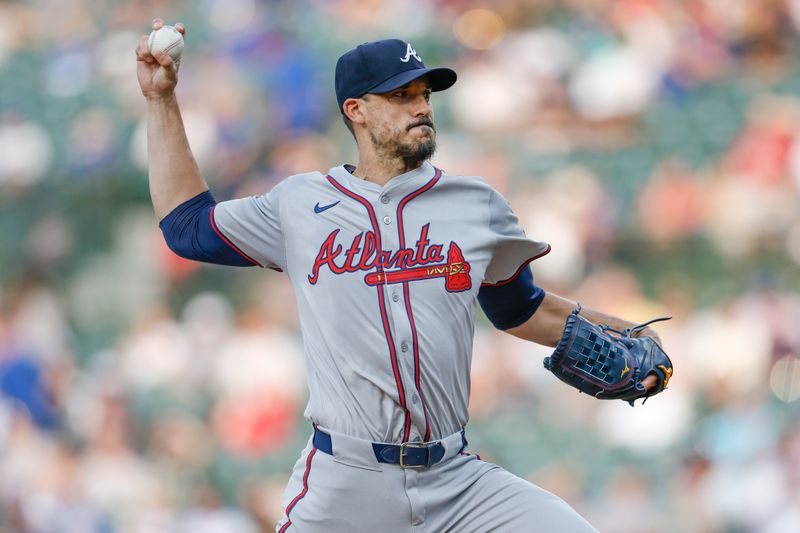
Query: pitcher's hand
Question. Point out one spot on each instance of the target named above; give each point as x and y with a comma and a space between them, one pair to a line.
651, 380
157, 74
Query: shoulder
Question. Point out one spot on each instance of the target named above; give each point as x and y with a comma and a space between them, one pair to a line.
283, 193
467, 182
472, 185
475, 190
496, 206
297, 185
301, 181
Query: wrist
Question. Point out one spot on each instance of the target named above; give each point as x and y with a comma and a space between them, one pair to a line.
156, 99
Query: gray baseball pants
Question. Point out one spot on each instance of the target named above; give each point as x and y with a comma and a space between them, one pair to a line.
350, 491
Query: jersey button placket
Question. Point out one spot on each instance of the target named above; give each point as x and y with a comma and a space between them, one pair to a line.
400, 324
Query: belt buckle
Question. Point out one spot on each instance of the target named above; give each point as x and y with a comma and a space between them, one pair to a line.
405, 445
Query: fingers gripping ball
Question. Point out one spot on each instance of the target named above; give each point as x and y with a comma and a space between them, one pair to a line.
608, 366
169, 40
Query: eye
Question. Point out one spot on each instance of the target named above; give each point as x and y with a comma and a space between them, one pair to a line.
401, 94
427, 95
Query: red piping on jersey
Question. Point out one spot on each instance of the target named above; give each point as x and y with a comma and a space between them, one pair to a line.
519, 270
302, 493
406, 293
381, 303
225, 239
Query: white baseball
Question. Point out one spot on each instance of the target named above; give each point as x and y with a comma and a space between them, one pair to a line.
167, 39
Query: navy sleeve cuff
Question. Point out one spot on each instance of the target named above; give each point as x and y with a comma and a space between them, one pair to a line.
190, 232
513, 303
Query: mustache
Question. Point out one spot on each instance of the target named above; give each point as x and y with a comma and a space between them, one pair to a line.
425, 121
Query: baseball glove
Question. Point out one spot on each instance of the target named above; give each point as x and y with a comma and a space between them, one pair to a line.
607, 363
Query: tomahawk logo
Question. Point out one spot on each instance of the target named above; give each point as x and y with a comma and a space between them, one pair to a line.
455, 273
410, 52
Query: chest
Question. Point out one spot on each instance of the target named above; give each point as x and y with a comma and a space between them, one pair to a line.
436, 239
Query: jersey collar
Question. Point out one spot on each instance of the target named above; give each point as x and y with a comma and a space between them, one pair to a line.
426, 171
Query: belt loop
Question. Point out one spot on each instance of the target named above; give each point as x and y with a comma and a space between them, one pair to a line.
322, 441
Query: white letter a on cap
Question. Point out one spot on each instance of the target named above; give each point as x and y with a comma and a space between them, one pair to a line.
409, 53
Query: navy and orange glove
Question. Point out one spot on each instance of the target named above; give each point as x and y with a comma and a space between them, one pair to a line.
607, 363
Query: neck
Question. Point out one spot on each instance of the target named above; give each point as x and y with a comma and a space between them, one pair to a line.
381, 169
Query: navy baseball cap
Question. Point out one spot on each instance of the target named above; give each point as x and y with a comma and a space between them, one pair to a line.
381, 66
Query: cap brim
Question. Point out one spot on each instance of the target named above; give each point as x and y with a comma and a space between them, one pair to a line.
439, 79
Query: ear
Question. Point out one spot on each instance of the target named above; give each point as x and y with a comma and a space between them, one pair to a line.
354, 110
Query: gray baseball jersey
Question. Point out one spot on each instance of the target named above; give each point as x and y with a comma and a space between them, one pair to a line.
386, 279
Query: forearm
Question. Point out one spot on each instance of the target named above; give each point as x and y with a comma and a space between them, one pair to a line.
174, 174
547, 324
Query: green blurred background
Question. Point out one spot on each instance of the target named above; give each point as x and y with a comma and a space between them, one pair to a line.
653, 143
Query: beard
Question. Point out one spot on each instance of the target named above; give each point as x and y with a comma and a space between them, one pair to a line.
416, 152
412, 153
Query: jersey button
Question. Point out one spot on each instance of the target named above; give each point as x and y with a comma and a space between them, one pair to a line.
404, 347
395, 297
384, 199
415, 399
387, 220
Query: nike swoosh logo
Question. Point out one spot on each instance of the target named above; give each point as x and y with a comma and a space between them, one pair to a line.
318, 209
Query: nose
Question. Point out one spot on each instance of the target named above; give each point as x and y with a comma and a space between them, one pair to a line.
422, 107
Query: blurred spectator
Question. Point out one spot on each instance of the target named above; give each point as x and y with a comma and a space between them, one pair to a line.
654, 144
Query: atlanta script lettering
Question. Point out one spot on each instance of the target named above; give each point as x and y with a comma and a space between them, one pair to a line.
362, 255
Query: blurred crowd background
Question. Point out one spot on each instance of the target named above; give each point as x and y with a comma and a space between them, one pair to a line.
653, 143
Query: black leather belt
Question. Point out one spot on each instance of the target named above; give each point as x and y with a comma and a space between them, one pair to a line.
407, 455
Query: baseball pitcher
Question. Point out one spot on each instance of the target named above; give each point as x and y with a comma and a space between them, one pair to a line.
387, 258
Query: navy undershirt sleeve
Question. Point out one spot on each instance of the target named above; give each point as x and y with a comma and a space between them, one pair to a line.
189, 231
511, 304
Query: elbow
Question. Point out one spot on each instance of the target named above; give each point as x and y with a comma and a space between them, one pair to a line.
175, 244
189, 232
182, 226
508, 307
